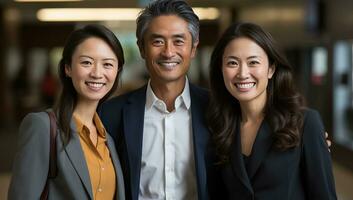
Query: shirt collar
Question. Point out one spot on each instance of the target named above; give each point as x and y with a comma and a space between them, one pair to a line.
185, 95
99, 125
183, 98
150, 96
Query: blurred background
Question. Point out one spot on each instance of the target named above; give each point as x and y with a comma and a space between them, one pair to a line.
316, 35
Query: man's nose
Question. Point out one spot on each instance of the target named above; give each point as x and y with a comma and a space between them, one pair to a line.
169, 50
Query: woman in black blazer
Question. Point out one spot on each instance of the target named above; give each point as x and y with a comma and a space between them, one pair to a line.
265, 144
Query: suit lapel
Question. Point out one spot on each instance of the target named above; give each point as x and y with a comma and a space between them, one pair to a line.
237, 161
133, 116
120, 191
200, 139
74, 151
260, 148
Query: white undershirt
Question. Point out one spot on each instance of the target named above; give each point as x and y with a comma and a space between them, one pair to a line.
167, 164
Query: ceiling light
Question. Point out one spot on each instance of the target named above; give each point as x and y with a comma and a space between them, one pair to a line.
108, 14
47, 0
87, 14
207, 13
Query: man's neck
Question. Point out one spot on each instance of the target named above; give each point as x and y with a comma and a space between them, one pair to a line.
168, 92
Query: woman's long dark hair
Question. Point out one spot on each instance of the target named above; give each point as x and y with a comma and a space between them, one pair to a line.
68, 97
283, 106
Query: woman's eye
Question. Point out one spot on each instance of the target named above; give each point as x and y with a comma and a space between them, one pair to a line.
254, 62
108, 65
86, 62
232, 63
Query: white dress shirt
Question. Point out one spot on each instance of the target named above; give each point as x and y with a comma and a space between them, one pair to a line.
167, 164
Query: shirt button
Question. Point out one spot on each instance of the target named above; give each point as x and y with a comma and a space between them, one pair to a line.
103, 168
160, 105
170, 169
100, 190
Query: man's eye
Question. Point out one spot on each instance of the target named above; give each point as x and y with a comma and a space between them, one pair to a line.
179, 42
157, 42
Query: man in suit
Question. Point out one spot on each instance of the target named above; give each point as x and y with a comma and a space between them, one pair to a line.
159, 129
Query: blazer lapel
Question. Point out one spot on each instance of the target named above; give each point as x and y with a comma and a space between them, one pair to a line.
261, 146
74, 151
200, 137
120, 189
237, 161
133, 116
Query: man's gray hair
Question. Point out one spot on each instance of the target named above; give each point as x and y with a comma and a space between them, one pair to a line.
167, 7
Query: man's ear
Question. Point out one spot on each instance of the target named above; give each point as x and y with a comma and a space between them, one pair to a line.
193, 49
68, 70
142, 51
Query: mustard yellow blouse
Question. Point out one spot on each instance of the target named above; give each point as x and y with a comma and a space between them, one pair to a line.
99, 163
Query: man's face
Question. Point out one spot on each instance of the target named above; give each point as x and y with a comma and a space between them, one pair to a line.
168, 49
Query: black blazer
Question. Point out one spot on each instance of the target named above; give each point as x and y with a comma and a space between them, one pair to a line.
304, 172
123, 117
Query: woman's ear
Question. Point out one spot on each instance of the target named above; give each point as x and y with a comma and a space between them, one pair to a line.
67, 70
271, 71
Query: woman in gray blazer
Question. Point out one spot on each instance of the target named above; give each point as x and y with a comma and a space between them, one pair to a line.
87, 164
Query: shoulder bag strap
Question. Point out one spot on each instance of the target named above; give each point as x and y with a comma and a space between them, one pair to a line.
52, 155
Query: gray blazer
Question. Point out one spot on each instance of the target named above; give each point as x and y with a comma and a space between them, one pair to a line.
30, 168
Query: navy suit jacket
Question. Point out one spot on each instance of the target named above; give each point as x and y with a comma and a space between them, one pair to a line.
304, 172
123, 117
